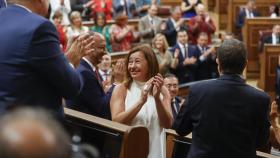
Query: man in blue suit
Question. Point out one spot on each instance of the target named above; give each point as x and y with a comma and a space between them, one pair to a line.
33, 69
207, 67
187, 59
92, 99
3, 4
227, 117
173, 25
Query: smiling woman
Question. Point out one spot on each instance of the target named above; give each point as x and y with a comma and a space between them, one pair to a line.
133, 104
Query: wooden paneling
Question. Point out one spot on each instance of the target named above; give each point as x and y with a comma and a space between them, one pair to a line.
269, 62
234, 5
171, 2
251, 37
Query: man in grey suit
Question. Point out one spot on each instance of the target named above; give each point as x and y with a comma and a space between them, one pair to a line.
149, 25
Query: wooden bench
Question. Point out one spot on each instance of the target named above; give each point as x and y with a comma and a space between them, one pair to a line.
121, 141
251, 39
172, 138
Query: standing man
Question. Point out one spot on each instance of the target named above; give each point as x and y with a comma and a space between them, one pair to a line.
174, 24
202, 22
33, 69
227, 117
92, 99
185, 71
149, 25
207, 67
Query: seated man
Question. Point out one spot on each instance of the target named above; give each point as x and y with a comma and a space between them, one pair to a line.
29, 133
187, 57
172, 84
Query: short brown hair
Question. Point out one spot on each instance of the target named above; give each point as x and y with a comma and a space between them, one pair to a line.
149, 56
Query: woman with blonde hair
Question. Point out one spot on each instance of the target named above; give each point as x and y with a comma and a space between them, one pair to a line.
164, 56
142, 99
76, 27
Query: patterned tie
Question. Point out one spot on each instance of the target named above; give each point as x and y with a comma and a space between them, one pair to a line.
98, 76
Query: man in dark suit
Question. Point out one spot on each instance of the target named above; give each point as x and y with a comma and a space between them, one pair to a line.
3, 4
273, 38
33, 69
227, 117
172, 84
249, 11
92, 99
173, 25
207, 67
187, 59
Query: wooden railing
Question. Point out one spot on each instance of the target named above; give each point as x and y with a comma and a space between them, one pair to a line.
120, 141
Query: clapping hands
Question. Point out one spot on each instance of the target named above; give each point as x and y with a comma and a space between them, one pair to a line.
79, 46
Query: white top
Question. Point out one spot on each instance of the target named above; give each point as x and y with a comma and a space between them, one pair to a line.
65, 10
75, 32
274, 39
249, 14
147, 117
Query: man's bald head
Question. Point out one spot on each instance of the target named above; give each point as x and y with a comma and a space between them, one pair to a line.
98, 48
32, 134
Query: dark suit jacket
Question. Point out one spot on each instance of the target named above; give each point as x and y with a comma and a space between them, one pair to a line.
240, 19
2, 3
177, 104
171, 33
92, 99
185, 73
227, 118
77, 5
33, 69
206, 69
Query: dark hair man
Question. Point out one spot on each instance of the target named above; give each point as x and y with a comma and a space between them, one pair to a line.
227, 117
